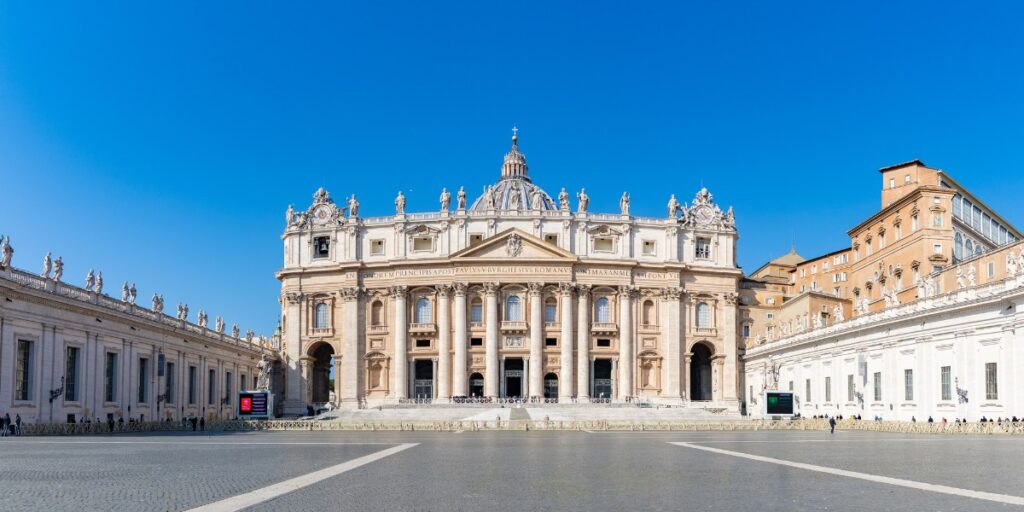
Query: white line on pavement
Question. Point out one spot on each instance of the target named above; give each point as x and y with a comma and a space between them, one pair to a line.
293, 484
198, 442
922, 486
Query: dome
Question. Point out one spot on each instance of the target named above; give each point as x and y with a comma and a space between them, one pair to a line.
514, 191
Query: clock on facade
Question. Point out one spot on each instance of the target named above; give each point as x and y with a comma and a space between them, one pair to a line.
703, 214
321, 214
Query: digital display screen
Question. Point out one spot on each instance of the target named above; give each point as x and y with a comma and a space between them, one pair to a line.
253, 404
778, 402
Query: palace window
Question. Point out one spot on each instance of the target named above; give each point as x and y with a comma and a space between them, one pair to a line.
110, 377
23, 373
476, 342
320, 316
550, 342
604, 343
514, 309
958, 246
550, 310
913, 223
604, 244
193, 384
377, 313
892, 182
227, 386
647, 314
746, 331
603, 311
957, 211
424, 313
423, 244
422, 343
702, 250
648, 248
169, 384
143, 380
476, 311
376, 247
991, 384
906, 178
71, 375
946, 382
937, 220
908, 385
321, 247
703, 315
991, 269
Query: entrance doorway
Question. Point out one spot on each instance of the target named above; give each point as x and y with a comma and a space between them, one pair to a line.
423, 379
320, 385
700, 373
550, 386
476, 385
513, 378
602, 378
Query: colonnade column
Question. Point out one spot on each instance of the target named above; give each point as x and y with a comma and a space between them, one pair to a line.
295, 396
401, 385
444, 343
730, 380
536, 341
491, 341
673, 345
459, 376
583, 342
625, 387
565, 381
351, 388
339, 373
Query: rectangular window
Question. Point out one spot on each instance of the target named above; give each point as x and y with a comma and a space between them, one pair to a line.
908, 385
321, 247
957, 211
991, 268
376, 247
878, 386
703, 248
791, 385
604, 244
193, 381
422, 343
648, 248
71, 375
476, 342
143, 380
475, 240
551, 239
422, 244
828, 389
110, 377
550, 312
211, 394
976, 219
913, 223
851, 391
604, 343
937, 248
746, 331
227, 387
23, 372
991, 383
476, 313
169, 384
947, 382
807, 397
892, 182
550, 342
241, 382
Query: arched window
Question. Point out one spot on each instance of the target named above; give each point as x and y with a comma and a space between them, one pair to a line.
703, 315
476, 311
604, 311
320, 316
513, 308
423, 312
377, 313
970, 249
550, 310
958, 246
648, 317
978, 249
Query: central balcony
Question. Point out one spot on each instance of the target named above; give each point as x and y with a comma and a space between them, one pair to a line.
378, 329
604, 328
422, 328
513, 326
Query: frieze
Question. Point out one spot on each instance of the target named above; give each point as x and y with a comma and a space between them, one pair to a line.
647, 274
611, 272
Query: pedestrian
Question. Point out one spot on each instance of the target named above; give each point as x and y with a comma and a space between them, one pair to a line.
193, 422
5, 430
110, 422
832, 425
17, 425
202, 424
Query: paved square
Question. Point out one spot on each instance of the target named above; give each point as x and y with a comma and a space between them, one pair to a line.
522, 470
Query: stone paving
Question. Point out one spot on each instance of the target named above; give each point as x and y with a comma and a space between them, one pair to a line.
510, 470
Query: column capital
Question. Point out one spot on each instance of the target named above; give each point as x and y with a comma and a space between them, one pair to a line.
731, 298
460, 289
565, 289
398, 292
350, 294
671, 293
627, 292
583, 290
293, 297
491, 289
443, 290
535, 288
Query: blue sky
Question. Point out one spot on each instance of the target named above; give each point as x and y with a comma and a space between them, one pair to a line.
162, 143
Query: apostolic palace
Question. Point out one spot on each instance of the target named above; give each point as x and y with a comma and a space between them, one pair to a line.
520, 296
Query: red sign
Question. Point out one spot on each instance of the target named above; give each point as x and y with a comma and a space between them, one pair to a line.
245, 405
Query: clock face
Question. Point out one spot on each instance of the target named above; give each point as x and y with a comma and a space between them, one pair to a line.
322, 214
703, 215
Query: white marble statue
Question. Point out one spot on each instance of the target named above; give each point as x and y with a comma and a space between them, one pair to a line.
58, 268
972, 276
184, 311
817, 322
961, 281
47, 266
125, 292
729, 220
289, 216
90, 280
353, 206
179, 311
929, 287
919, 283
99, 282
132, 294
461, 198
624, 203
1011, 264
1020, 261
234, 331
837, 313
887, 298
202, 318
583, 201
563, 200
673, 207
446, 199
249, 335
264, 367
400, 203
219, 324
158, 303
489, 197
513, 198
6, 253
536, 200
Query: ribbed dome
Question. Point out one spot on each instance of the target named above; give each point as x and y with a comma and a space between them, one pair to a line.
514, 191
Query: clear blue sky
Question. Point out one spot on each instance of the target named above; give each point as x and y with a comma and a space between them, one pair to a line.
163, 144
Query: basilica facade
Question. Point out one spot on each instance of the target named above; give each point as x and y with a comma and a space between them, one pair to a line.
516, 294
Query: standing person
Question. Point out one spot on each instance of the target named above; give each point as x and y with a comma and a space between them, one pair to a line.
5, 430
17, 425
832, 425
202, 424
193, 421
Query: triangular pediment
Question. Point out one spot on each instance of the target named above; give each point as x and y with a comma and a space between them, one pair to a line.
504, 246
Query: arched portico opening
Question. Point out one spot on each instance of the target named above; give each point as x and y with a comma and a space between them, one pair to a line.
476, 385
551, 386
700, 372
320, 375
